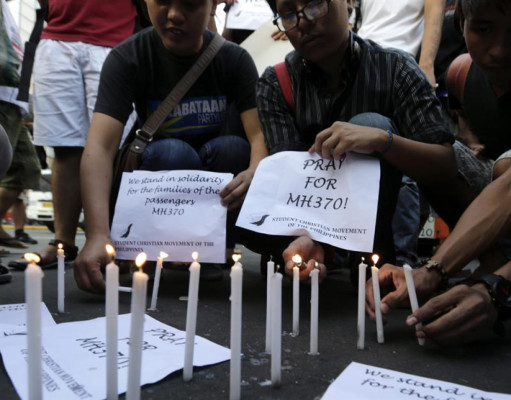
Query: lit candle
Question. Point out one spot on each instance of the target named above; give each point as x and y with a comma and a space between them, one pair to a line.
191, 317
33, 297
236, 302
314, 275
138, 303
361, 323
296, 294
276, 327
377, 299
112, 312
270, 271
157, 276
60, 278
412, 294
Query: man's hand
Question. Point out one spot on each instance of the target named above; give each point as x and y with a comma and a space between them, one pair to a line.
234, 193
335, 141
278, 35
461, 315
88, 265
312, 254
393, 286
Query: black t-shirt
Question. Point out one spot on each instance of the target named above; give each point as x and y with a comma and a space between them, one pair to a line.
489, 116
141, 71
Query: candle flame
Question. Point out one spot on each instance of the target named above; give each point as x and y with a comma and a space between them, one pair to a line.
163, 254
375, 259
236, 255
195, 256
110, 250
363, 259
60, 246
140, 260
297, 260
32, 257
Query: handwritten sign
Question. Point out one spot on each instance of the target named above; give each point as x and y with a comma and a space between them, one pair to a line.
13, 318
64, 344
178, 212
296, 193
361, 382
248, 14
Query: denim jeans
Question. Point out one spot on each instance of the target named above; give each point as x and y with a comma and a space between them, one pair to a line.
221, 154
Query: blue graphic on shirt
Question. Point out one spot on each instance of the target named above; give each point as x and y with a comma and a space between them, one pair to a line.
192, 116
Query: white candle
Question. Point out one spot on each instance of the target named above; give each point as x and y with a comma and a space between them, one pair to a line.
270, 271
296, 294
138, 304
361, 322
191, 317
276, 327
125, 289
33, 297
112, 312
236, 303
157, 276
377, 300
412, 294
314, 275
60, 278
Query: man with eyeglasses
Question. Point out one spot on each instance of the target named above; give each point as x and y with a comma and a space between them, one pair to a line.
350, 94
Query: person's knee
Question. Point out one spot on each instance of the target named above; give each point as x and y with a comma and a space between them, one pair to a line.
5, 152
501, 166
226, 154
373, 120
170, 154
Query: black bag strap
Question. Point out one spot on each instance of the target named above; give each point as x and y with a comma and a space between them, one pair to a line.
29, 54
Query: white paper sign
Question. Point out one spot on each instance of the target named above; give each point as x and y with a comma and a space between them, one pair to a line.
13, 318
74, 364
297, 193
248, 14
177, 212
362, 382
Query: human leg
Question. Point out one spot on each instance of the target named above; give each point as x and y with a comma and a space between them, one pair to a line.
169, 154
19, 218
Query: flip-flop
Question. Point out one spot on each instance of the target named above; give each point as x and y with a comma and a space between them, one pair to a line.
70, 252
12, 242
5, 274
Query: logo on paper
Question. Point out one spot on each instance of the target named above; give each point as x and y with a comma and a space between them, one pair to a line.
260, 220
127, 233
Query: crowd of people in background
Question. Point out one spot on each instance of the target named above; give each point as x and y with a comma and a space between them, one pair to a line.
423, 85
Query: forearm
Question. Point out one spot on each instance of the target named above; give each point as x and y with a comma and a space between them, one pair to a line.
254, 132
96, 179
428, 164
433, 20
484, 221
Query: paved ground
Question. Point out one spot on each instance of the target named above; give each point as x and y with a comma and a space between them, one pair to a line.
485, 367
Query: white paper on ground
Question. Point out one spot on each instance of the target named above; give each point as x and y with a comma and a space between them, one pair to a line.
177, 212
297, 193
248, 14
13, 318
362, 382
74, 364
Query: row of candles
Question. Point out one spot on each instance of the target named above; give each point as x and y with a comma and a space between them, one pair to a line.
33, 292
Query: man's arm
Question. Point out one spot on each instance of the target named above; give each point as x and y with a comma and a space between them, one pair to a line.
96, 178
433, 20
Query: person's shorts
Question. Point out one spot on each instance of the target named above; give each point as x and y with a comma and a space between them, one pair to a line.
24, 171
66, 80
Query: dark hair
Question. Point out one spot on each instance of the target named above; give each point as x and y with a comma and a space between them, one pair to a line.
466, 8
273, 5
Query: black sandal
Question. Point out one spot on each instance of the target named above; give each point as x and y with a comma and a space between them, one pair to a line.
70, 252
5, 274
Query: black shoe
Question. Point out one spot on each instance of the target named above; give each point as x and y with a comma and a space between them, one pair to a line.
24, 237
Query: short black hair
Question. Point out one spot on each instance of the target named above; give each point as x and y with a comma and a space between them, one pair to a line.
273, 5
465, 8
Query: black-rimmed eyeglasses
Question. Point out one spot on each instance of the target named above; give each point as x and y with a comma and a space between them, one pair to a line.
314, 10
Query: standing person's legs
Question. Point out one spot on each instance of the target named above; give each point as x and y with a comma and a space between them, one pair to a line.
24, 171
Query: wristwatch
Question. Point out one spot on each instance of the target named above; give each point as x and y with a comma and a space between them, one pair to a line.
499, 289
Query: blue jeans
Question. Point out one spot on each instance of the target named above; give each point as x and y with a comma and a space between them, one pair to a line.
221, 154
